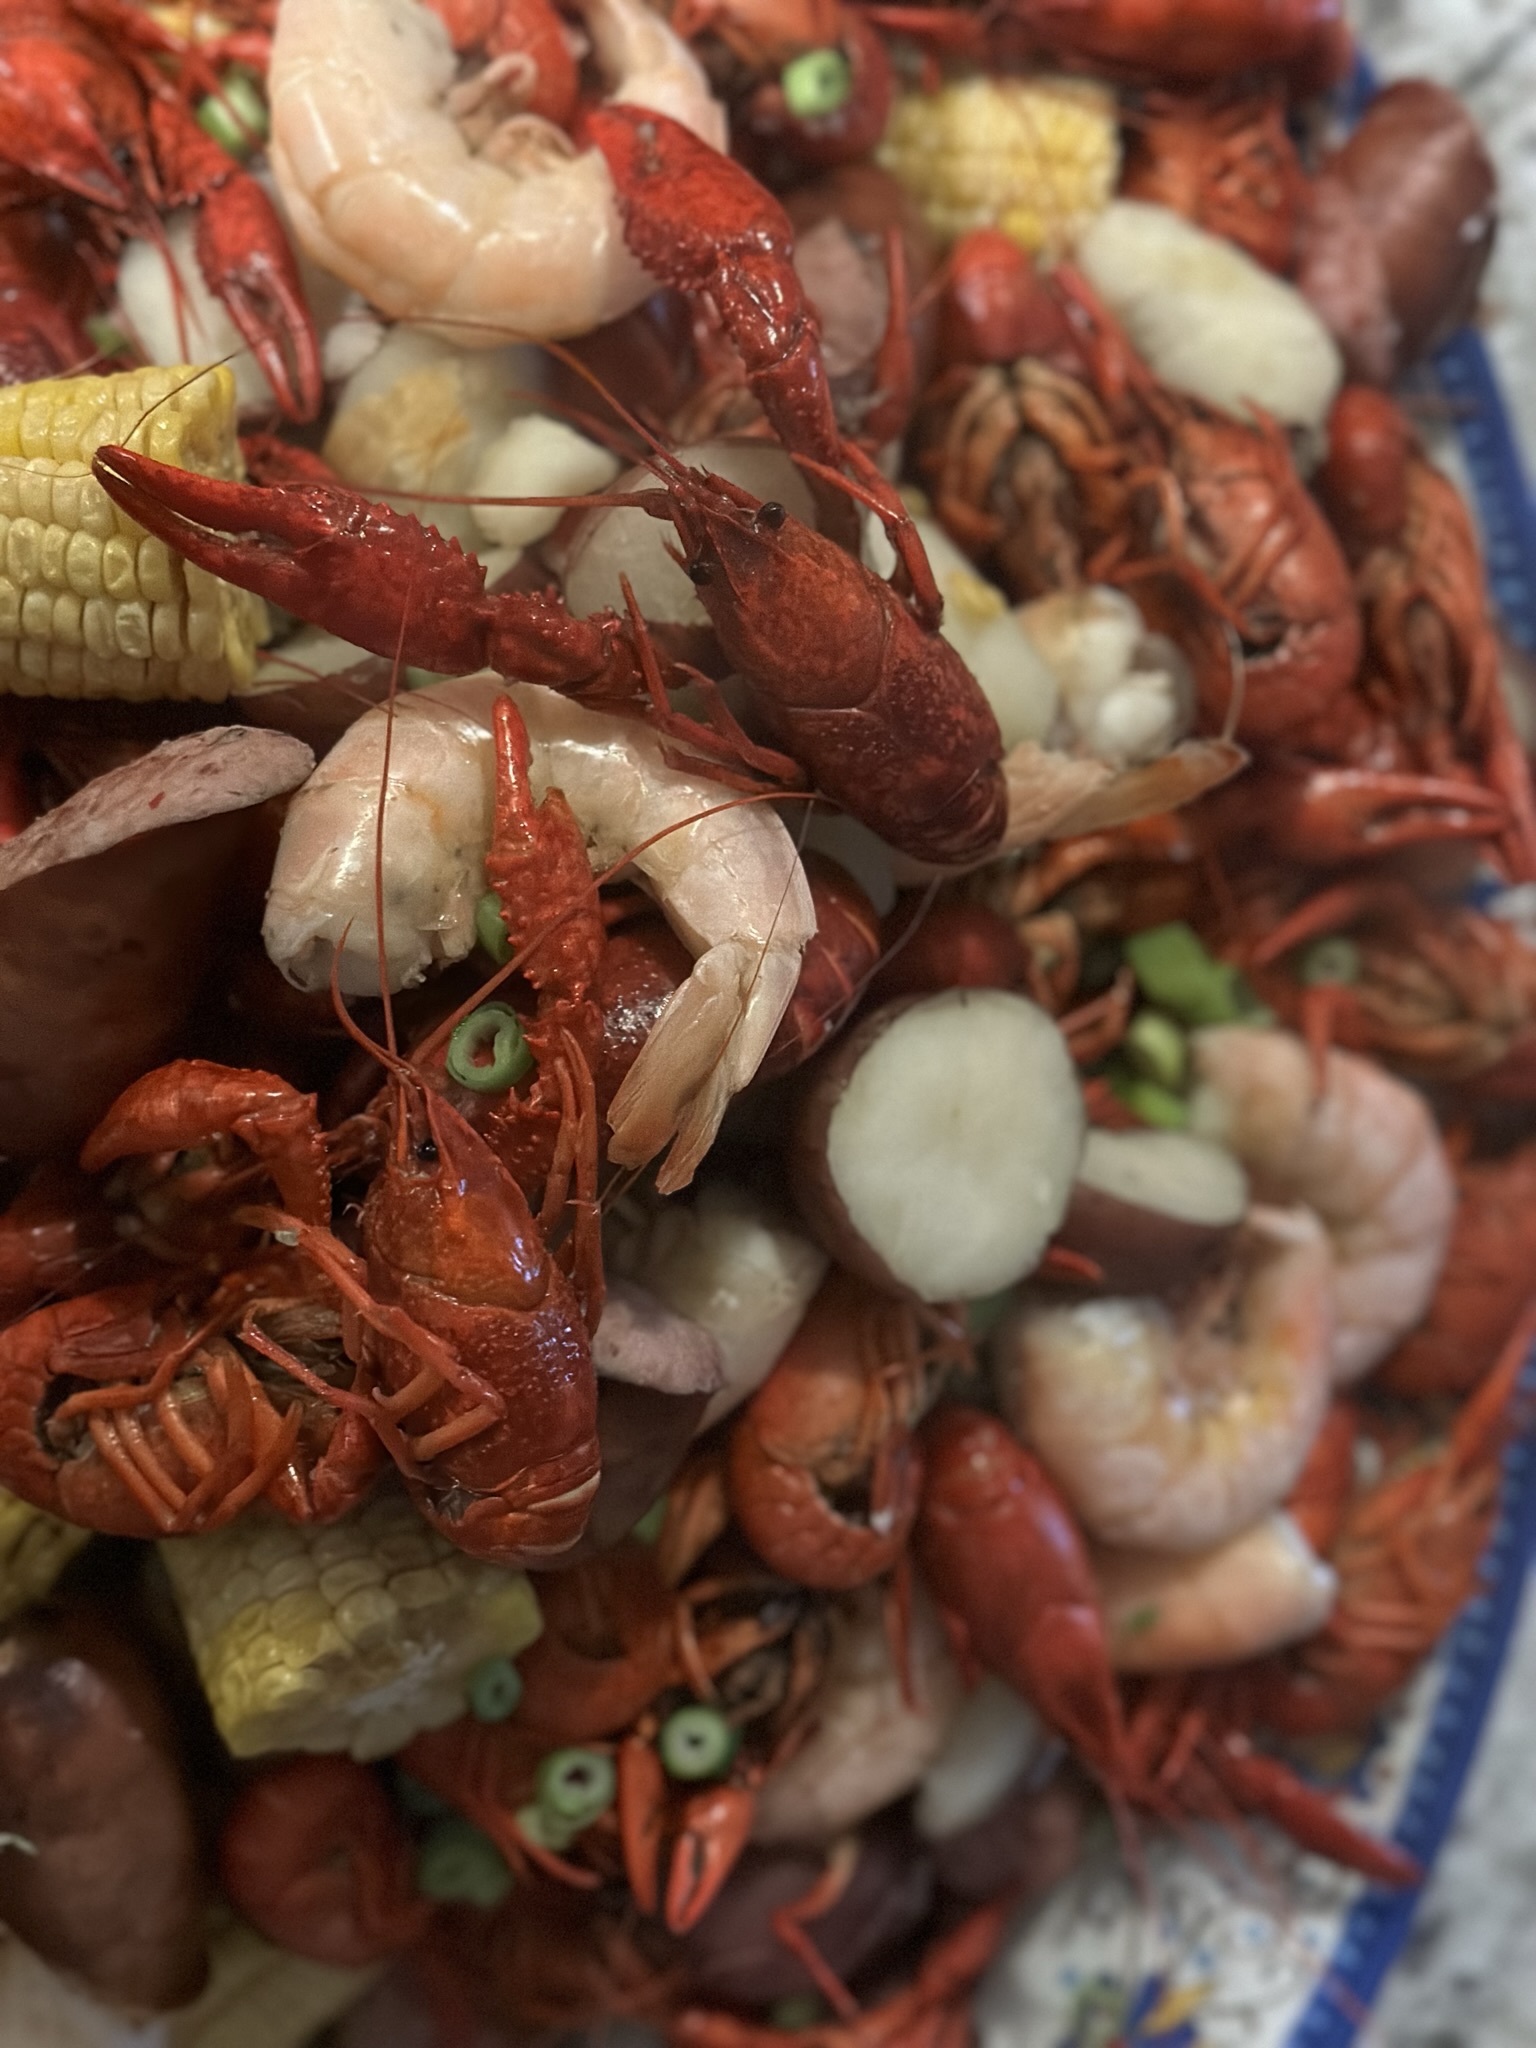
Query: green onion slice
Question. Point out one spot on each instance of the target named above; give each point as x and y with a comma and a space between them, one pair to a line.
493, 1689
696, 1742
1177, 973
817, 83
574, 1786
490, 930
1331, 962
493, 1025
1156, 1047
236, 115
459, 1864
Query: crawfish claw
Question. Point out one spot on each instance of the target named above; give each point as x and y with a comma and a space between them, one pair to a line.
1332, 814
714, 1832
365, 572
259, 286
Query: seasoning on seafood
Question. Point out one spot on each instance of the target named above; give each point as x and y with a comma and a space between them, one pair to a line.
91, 118
1258, 1591
1363, 1152
1175, 1427
514, 234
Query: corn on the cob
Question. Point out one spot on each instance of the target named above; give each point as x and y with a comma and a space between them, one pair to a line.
353, 1637
1038, 158
90, 604
259, 1996
34, 1549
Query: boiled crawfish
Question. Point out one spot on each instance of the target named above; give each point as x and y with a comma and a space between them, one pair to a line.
1228, 165
1445, 993
620, 1650
472, 1360
88, 117
1003, 1556
884, 714
1430, 698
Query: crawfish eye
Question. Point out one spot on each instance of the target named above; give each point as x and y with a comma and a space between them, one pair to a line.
696, 1742
700, 572
817, 83
427, 1150
496, 1027
772, 515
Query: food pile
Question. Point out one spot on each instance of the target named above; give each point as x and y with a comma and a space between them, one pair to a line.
799, 1155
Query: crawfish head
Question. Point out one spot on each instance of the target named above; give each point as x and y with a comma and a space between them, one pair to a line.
770, 585
445, 1207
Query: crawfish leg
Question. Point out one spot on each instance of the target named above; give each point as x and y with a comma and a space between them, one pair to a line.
1260, 1785
642, 1795
438, 1362
722, 741
789, 1927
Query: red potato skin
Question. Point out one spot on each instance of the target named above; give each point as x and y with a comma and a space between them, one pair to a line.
815, 1193
115, 1895
733, 1955
643, 1434
100, 963
1031, 1840
1400, 229
1140, 1250
1422, 176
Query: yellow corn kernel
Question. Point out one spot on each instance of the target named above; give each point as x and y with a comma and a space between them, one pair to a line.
34, 1549
352, 1637
77, 574
1036, 157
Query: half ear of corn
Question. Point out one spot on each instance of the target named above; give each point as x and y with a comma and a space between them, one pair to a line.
1036, 157
90, 604
34, 1549
353, 1637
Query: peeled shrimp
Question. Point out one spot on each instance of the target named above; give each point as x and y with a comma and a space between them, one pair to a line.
1363, 1152
518, 238
1172, 1429
1257, 1592
731, 885
877, 1729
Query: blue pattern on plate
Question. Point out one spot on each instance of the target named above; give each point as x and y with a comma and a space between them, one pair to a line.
1378, 1924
